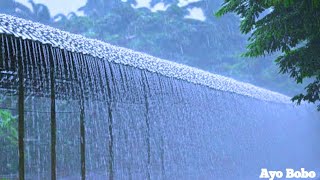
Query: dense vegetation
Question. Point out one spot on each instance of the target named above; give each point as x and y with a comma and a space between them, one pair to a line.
286, 26
8, 139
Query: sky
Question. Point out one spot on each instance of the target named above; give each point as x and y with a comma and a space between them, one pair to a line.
59, 6
67, 6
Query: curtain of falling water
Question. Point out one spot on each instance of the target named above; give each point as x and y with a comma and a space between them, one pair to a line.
118, 122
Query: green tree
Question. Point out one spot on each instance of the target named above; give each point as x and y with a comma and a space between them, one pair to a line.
39, 12
8, 129
288, 28
14, 8
98, 8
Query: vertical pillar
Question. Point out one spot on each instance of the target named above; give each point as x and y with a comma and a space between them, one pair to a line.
21, 118
83, 140
147, 120
110, 121
77, 61
111, 156
53, 122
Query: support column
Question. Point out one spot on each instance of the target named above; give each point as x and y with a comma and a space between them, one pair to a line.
83, 140
77, 63
53, 121
110, 122
146, 90
21, 119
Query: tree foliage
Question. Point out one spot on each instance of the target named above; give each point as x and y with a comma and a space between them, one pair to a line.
8, 125
289, 28
38, 12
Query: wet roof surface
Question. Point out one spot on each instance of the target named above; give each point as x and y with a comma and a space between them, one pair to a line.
76, 43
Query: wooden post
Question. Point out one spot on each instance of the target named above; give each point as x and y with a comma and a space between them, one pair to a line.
81, 81
83, 140
21, 118
53, 118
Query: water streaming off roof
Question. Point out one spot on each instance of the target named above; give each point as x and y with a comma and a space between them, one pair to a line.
107, 112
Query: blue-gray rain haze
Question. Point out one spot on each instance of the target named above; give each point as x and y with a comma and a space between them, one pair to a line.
72, 107
73, 6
